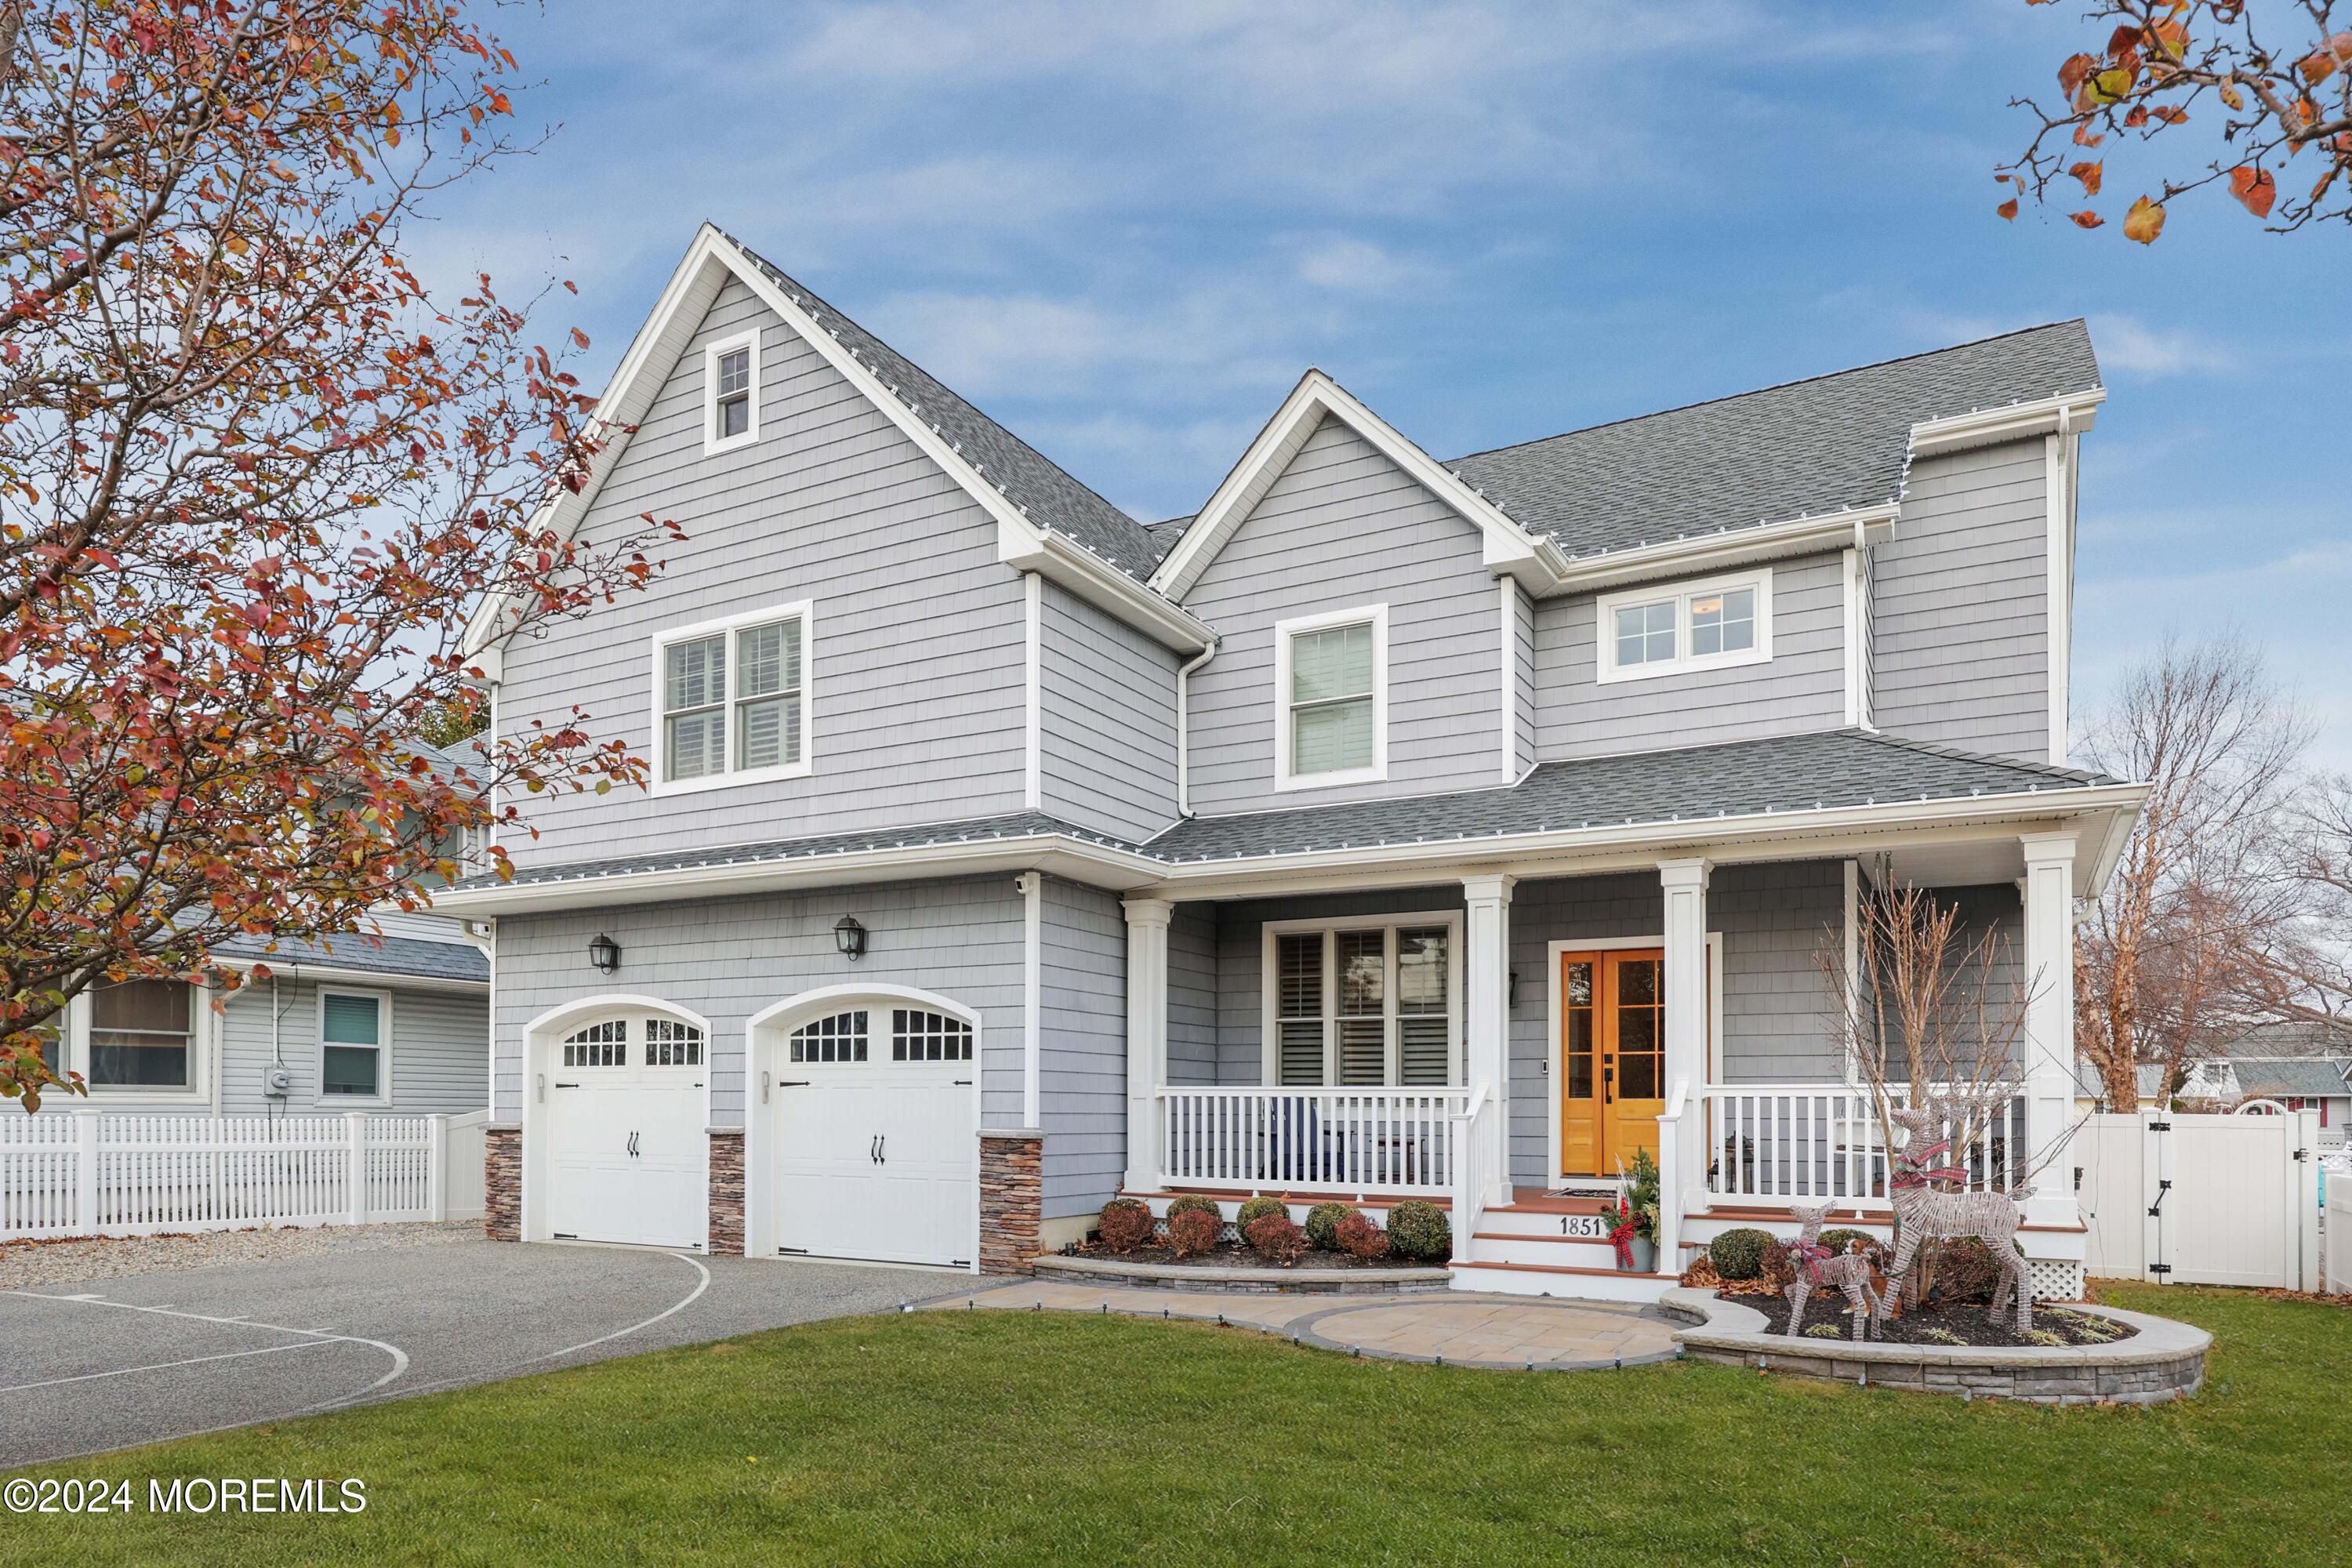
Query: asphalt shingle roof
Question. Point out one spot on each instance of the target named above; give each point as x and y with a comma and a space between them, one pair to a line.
1805, 446
2293, 1038
2315, 1076
1831, 768
389, 955
1031, 480
1786, 773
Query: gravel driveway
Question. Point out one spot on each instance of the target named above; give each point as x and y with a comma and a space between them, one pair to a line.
133, 1357
23, 1264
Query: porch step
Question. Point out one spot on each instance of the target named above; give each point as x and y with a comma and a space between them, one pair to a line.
1508, 1246
1564, 1280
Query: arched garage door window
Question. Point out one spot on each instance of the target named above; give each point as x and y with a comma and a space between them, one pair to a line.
917, 1035
660, 1043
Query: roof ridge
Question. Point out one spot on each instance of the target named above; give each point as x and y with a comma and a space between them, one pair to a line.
1771, 386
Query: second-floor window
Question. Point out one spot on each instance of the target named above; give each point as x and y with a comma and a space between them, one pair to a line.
732, 391
731, 700
1332, 699
1665, 629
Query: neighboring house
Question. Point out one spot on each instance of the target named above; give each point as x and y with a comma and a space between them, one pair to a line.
1392, 825
391, 1022
2305, 1064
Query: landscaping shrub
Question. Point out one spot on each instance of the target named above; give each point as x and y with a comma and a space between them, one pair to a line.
1125, 1224
1194, 1231
1360, 1237
1419, 1230
1964, 1272
1258, 1208
1195, 1203
1739, 1254
1841, 1241
1323, 1224
1276, 1238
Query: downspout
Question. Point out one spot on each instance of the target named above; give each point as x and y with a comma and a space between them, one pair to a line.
1183, 735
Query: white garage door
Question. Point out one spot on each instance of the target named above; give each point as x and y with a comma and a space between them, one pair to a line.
625, 1144
876, 1137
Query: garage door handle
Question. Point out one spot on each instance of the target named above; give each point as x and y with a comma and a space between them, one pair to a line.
882, 1148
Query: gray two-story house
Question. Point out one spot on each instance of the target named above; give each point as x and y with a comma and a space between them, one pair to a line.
1390, 827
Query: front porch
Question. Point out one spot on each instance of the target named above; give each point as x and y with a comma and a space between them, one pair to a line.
1503, 1043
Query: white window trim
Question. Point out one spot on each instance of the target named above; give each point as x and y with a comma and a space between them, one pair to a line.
711, 441
383, 1096
1604, 627
729, 625
1377, 617
202, 1023
1270, 1043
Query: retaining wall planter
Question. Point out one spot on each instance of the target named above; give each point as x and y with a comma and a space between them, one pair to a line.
1243, 1281
2163, 1360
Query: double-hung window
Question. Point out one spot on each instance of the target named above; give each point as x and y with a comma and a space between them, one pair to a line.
354, 1042
141, 1034
1661, 630
1364, 1002
730, 378
1332, 699
731, 700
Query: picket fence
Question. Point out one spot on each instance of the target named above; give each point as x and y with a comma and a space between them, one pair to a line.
89, 1172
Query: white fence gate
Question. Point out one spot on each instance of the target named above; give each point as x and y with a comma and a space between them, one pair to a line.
2203, 1200
91, 1172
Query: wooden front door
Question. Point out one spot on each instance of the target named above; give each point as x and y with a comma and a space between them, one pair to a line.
1612, 1054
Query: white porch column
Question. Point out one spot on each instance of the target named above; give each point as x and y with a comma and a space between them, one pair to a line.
1486, 1016
1685, 885
2049, 898
1147, 1035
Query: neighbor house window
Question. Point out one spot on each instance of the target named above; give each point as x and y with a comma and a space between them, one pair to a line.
1332, 699
141, 1034
352, 1035
1364, 1002
731, 699
732, 391
1700, 626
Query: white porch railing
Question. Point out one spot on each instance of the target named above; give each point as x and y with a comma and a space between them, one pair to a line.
1815, 1142
1479, 1136
1358, 1141
89, 1172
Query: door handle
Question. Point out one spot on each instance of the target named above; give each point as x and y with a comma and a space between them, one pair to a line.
882, 1148
873, 1150
763, 1086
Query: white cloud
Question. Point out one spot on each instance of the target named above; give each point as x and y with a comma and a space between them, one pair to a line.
1345, 264
2128, 344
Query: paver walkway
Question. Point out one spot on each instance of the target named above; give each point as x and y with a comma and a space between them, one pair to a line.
1516, 1332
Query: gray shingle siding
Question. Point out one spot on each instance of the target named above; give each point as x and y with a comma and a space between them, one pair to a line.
1082, 1081
1192, 995
1525, 724
1341, 528
914, 706
440, 1049
726, 959
1108, 742
1801, 687
1959, 613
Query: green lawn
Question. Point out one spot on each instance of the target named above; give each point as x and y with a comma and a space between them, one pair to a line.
1034, 1439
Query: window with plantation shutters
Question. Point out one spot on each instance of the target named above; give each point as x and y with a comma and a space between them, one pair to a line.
732, 700
1365, 1004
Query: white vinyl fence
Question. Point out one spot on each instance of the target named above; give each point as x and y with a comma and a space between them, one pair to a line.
2187, 1199
2338, 1223
92, 1173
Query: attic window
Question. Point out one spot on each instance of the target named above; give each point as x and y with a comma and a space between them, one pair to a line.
730, 383
1671, 628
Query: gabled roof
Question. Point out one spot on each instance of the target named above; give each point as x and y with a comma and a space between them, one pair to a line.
2308, 1077
1804, 446
2293, 1038
1050, 497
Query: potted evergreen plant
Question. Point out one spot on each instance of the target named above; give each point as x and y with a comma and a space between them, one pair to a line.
1632, 1219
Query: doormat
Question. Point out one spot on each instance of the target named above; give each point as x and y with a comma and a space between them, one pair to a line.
1581, 1192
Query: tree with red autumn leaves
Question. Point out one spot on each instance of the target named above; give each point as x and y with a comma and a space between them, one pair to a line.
254, 474
2274, 92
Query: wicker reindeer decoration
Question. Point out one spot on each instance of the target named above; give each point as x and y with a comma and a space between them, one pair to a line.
1817, 1266
1926, 1213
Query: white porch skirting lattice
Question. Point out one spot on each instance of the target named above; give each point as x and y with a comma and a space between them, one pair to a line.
1357, 1141
90, 1173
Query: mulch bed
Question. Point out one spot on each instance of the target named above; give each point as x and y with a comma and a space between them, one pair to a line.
1234, 1255
1968, 1324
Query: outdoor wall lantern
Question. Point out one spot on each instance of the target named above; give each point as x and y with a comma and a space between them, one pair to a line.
604, 953
849, 936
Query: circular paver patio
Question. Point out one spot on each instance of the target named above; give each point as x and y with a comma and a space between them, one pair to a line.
1506, 1331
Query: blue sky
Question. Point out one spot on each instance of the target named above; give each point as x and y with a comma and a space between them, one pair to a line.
1125, 230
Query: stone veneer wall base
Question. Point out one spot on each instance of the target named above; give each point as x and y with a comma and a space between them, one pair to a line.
1012, 1198
726, 1192
502, 1182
